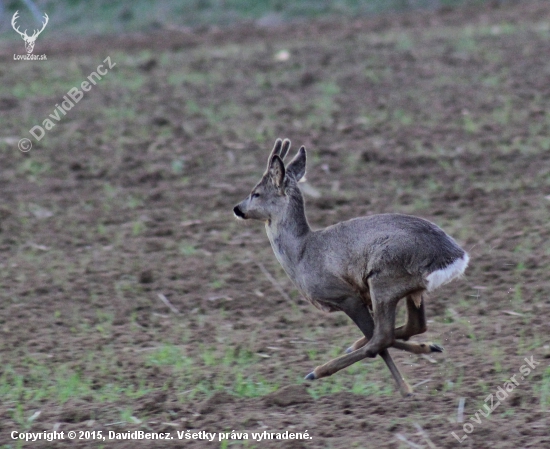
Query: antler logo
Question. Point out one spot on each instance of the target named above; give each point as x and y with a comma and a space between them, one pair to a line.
29, 40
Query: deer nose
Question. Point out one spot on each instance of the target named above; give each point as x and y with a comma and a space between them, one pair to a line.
238, 212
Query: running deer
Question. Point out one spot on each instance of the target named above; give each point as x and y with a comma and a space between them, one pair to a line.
362, 267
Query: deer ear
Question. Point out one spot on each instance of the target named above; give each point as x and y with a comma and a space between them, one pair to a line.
276, 150
297, 166
284, 149
280, 149
276, 171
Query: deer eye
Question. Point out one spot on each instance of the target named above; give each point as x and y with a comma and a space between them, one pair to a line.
255, 195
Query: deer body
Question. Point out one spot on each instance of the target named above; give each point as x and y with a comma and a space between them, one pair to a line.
336, 262
362, 266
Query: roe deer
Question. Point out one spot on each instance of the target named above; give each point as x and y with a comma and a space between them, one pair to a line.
362, 267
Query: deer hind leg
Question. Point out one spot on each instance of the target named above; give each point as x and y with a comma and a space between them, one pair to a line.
416, 317
383, 314
413, 347
383, 337
416, 324
361, 316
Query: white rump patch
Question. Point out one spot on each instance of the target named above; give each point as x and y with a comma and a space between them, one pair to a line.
444, 275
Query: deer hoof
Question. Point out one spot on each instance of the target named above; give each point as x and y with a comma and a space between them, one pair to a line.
436, 348
310, 376
407, 394
406, 390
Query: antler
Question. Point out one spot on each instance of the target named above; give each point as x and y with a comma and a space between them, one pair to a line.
13, 19
24, 34
36, 32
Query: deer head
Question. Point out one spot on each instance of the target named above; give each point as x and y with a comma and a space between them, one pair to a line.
29, 40
277, 191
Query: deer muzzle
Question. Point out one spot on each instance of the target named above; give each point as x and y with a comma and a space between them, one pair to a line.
239, 213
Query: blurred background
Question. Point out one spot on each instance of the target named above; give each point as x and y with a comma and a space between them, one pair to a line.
104, 16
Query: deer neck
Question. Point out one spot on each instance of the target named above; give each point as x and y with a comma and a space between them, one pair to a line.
288, 234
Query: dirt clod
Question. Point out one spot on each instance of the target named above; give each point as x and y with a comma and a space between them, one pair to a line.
289, 395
